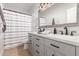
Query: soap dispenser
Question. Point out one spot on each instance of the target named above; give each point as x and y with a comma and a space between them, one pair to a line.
55, 31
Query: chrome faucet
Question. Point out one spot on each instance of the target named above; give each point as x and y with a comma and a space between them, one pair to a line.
66, 32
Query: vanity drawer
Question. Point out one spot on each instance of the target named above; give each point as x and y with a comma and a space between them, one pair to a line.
35, 38
30, 35
39, 52
39, 45
60, 47
38, 39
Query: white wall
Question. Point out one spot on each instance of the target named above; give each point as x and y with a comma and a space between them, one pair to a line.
35, 21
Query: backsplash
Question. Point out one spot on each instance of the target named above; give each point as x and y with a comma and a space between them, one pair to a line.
76, 28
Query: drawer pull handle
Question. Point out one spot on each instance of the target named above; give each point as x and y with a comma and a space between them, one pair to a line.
37, 45
54, 46
37, 39
37, 51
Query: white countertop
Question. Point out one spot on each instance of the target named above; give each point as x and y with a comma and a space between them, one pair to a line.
73, 40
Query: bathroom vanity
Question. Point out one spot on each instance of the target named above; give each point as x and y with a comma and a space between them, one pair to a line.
53, 45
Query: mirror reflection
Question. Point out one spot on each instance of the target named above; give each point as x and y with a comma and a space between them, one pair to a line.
58, 13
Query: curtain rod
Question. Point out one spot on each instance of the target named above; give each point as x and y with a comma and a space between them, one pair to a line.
16, 11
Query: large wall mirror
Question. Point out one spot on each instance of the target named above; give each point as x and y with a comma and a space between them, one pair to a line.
59, 14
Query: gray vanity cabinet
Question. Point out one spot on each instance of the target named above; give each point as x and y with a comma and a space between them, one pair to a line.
36, 47
38, 44
41, 46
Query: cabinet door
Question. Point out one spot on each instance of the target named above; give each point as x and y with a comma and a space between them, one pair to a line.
52, 52
49, 52
63, 48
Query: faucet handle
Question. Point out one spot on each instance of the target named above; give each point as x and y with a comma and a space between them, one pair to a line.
72, 32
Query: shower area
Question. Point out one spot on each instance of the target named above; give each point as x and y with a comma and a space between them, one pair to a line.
18, 19
18, 25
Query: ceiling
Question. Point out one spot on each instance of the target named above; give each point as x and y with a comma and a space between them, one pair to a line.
27, 8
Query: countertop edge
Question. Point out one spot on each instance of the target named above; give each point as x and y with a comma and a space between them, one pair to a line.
57, 39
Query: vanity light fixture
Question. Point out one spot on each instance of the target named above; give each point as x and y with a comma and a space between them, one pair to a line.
44, 6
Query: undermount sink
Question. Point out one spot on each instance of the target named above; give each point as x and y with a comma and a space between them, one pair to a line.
64, 37
61, 37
